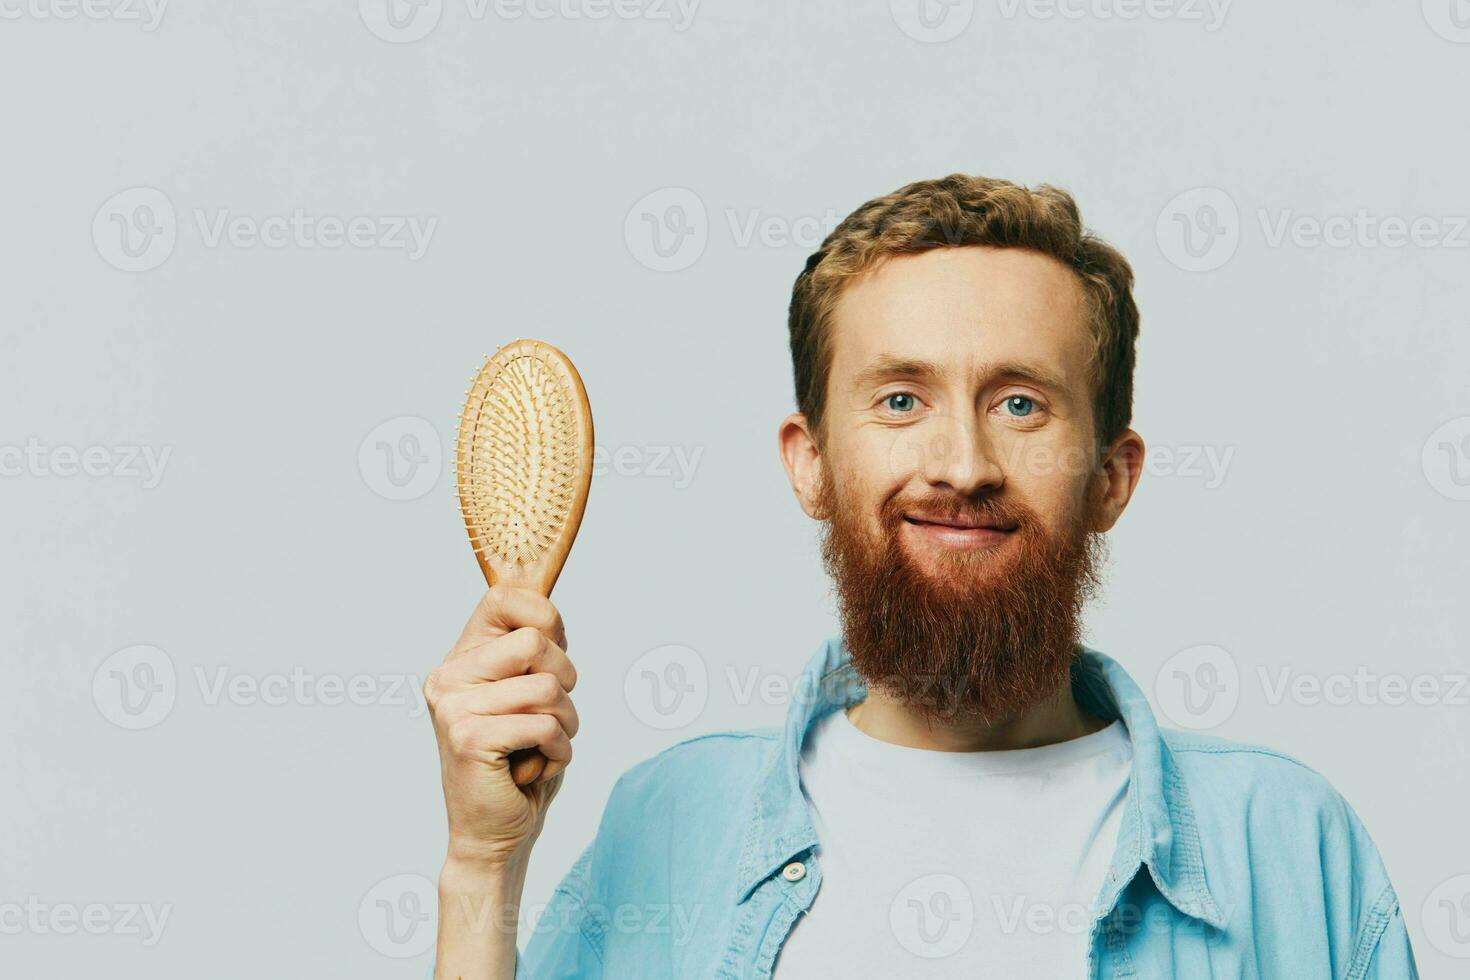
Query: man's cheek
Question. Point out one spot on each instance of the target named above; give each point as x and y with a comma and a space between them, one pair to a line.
897, 456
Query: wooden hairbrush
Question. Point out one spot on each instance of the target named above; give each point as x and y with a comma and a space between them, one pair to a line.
523, 466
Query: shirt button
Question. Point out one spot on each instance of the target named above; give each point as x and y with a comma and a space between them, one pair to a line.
795, 871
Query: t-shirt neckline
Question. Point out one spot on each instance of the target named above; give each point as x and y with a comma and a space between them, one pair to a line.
860, 747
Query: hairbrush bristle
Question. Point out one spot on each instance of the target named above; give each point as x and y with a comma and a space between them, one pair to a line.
519, 456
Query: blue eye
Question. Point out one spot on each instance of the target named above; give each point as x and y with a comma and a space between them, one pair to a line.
903, 397
1020, 405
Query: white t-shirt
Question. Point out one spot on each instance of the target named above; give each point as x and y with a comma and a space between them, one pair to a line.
955, 864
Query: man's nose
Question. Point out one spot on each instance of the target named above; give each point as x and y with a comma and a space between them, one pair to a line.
962, 456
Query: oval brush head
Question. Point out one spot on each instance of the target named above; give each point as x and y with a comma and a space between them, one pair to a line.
523, 468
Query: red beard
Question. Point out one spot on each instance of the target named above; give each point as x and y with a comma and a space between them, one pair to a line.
989, 633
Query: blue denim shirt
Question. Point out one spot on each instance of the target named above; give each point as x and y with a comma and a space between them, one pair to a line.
1231, 861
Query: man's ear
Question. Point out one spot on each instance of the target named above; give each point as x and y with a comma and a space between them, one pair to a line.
1118, 472
803, 461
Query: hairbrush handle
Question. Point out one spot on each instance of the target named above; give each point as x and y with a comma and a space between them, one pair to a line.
525, 764
523, 471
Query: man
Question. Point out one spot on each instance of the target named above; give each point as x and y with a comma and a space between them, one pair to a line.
960, 789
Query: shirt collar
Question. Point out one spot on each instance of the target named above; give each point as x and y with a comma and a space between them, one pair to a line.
1158, 829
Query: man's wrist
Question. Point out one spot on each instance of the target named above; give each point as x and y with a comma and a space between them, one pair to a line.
484, 895
472, 857
471, 872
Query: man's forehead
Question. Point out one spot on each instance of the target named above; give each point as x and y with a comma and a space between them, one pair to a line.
965, 309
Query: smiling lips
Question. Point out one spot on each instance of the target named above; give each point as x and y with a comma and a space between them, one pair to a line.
959, 532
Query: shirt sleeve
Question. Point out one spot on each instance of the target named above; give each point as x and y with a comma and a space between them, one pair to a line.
1392, 957
559, 947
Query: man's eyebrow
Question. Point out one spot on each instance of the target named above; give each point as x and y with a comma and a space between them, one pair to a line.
1021, 371
888, 367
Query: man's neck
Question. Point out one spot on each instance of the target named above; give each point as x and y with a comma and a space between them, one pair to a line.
1057, 719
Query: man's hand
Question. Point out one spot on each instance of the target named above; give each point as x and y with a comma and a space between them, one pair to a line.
503, 687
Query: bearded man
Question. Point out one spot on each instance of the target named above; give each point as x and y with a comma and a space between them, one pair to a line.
961, 787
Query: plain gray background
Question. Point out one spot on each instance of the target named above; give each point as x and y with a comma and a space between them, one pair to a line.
211, 709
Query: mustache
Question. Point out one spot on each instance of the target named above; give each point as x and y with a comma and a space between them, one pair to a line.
952, 508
